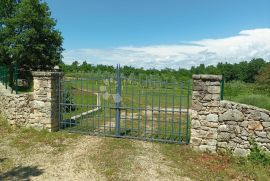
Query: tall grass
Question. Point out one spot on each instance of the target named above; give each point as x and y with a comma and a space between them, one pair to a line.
248, 93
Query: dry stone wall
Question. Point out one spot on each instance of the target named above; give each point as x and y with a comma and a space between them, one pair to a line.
224, 125
38, 109
239, 124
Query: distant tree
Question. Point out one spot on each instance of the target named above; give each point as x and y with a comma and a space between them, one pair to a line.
75, 66
263, 76
254, 67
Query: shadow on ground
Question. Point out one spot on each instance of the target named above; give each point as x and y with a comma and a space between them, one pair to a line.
21, 173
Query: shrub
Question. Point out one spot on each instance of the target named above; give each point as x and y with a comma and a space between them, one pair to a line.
259, 156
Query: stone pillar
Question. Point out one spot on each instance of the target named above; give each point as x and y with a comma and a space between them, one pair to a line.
45, 108
205, 111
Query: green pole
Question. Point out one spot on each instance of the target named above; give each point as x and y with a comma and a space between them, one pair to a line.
16, 74
222, 88
6, 77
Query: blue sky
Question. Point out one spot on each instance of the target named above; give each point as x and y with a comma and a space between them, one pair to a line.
162, 33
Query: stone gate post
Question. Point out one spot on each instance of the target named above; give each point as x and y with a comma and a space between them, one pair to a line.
45, 109
205, 110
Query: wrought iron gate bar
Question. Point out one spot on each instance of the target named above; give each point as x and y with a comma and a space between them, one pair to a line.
126, 107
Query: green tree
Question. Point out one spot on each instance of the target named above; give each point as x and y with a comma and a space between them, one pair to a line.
33, 41
7, 11
263, 76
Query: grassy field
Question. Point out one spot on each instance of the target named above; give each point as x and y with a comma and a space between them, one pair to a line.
248, 93
153, 110
27, 154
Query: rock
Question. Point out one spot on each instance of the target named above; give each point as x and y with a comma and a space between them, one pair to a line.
196, 105
223, 136
237, 115
207, 97
222, 144
223, 128
207, 148
241, 152
216, 97
212, 142
212, 117
214, 89
266, 124
195, 123
261, 134
265, 117
255, 115
255, 125
226, 116
262, 140
195, 141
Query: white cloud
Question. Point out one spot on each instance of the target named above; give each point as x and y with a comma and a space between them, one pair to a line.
246, 45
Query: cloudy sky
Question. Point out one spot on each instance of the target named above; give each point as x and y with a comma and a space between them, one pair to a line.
159, 33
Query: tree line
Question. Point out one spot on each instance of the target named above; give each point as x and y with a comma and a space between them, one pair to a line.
246, 71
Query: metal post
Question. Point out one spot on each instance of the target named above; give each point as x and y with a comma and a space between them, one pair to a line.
59, 103
222, 88
6, 77
187, 128
16, 79
118, 101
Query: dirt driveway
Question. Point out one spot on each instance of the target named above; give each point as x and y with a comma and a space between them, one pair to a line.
84, 158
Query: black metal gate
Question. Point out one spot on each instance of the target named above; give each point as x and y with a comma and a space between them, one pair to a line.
126, 107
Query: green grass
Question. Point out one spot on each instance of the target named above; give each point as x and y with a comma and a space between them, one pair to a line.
135, 93
141, 124
116, 158
25, 138
248, 93
260, 101
29, 137
135, 96
203, 166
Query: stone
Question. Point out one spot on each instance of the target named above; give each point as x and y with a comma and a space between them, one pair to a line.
226, 116
207, 97
222, 144
266, 124
211, 135
208, 148
236, 130
223, 136
265, 117
241, 152
196, 105
212, 142
261, 134
214, 89
255, 125
244, 124
237, 115
215, 97
195, 141
212, 118
226, 125
262, 140
195, 123
223, 128
255, 115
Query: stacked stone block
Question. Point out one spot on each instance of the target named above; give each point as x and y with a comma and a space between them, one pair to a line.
38, 109
205, 112
224, 125
241, 124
